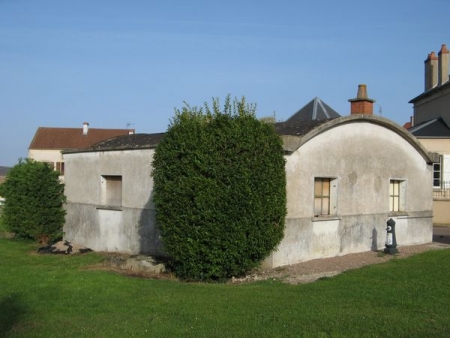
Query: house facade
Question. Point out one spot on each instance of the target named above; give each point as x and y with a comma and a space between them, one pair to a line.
109, 196
346, 177
48, 142
431, 126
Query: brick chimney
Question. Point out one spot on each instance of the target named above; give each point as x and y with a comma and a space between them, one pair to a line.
443, 65
361, 104
431, 71
85, 128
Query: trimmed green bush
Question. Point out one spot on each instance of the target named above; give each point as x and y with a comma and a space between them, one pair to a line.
219, 190
34, 199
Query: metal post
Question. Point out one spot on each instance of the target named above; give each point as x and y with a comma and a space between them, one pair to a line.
391, 241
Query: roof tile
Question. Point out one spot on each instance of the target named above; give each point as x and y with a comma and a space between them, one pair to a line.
72, 138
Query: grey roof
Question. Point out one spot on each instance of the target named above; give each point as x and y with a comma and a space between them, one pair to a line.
143, 141
316, 109
132, 141
430, 92
313, 114
301, 131
432, 128
298, 128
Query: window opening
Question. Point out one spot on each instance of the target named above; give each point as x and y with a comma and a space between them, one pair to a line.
112, 190
322, 196
397, 195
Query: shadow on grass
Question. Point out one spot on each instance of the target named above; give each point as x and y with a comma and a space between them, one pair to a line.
11, 311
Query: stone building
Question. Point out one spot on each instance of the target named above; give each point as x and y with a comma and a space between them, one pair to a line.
346, 176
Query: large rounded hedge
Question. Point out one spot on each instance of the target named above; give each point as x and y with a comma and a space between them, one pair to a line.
219, 190
34, 199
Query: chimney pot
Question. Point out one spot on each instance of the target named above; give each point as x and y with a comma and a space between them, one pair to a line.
443, 65
85, 128
431, 71
362, 91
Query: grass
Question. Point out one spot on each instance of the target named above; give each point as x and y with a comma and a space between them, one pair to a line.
51, 295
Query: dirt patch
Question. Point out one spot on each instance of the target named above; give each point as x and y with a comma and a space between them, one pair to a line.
310, 271
301, 273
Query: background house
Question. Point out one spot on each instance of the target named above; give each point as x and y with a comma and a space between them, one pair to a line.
48, 143
3, 173
346, 177
430, 125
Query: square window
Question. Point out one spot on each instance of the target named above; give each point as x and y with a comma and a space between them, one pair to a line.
324, 196
111, 190
60, 168
397, 195
437, 173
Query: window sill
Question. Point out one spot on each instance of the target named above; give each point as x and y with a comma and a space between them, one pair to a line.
108, 207
398, 214
325, 218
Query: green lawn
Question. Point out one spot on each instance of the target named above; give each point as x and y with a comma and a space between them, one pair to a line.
49, 296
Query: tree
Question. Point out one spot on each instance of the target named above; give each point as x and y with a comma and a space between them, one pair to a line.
34, 199
219, 190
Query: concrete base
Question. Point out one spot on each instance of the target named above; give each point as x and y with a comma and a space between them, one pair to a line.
391, 251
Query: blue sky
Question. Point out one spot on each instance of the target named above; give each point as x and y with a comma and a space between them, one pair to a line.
110, 63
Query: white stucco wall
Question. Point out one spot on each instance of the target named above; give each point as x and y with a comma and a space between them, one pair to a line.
45, 155
129, 228
363, 157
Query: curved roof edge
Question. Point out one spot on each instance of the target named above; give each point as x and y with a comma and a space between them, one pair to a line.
292, 143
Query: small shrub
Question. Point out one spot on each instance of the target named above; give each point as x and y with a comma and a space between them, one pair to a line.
219, 190
34, 199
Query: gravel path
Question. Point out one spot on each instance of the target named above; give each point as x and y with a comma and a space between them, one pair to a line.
312, 270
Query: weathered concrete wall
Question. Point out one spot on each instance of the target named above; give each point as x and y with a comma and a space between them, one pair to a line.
363, 157
129, 228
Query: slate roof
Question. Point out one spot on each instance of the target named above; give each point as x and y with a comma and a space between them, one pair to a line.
142, 141
434, 128
316, 109
72, 138
133, 141
299, 128
429, 92
312, 115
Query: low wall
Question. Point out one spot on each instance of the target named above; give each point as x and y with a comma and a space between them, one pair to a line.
308, 238
126, 230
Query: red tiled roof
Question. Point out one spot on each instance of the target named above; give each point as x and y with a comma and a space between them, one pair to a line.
72, 138
407, 125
